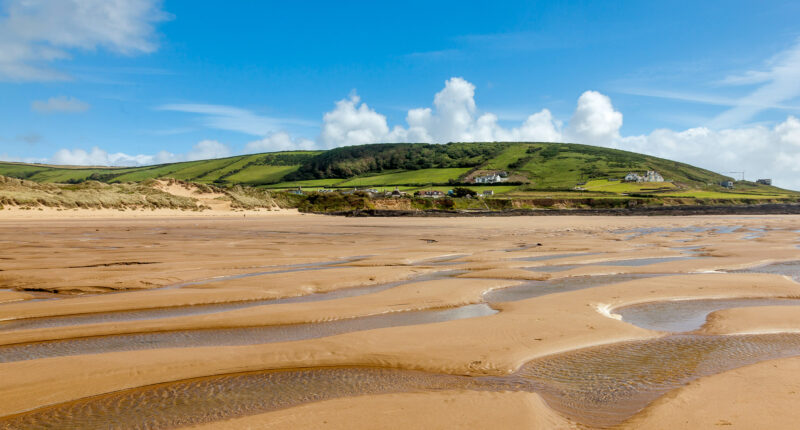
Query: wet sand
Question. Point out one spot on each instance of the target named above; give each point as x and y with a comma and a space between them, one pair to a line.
120, 280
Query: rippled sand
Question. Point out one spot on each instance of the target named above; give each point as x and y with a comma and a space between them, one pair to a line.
164, 323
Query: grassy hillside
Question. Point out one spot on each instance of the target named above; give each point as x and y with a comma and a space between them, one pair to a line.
534, 169
256, 169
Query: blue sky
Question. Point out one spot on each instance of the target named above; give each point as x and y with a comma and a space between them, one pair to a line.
713, 83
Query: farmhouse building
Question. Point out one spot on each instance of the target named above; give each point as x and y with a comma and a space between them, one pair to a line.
632, 177
396, 193
764, 181
431, 193
492, 178
650, 176
653, 176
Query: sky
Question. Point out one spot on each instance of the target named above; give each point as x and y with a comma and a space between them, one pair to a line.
131, 82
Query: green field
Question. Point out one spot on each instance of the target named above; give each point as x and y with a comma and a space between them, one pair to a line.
312, 183
605, 185
413, 177
256, 175
703, 194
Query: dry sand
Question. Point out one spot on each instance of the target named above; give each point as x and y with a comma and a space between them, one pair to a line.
79, 261
759, 396
437, 410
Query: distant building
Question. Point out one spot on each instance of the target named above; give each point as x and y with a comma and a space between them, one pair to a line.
653, 176
727, 184
650, 176
632, 177
488, 193
492, 178
396, 193
431, 193
764, 181
298, 191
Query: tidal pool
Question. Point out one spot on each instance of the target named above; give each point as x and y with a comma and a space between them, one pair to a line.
688, 315
541, 288
788, 268
635, 262
639, 232
598, 387
233, 336
177, 311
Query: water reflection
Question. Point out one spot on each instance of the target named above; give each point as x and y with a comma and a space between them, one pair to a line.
688, 315
232, 336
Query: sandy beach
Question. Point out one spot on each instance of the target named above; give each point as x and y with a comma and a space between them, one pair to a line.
490, 312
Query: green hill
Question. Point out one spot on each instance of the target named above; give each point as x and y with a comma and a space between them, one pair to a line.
532, 168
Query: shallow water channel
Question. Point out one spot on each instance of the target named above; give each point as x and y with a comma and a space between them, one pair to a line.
233, 336
177, 311
787, 268
599, 386
635, 262
688, 315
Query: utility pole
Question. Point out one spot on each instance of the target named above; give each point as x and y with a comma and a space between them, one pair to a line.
741, 173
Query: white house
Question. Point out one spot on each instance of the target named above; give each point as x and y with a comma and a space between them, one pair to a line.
632, 177
489, 179
653, 176
650, 176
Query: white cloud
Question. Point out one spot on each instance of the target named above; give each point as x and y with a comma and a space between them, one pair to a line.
35, 33
60, 104
234, 119
206, 149
780, 82
280, 141
98, 157
352, 123
595, 122
762, 152
453, 118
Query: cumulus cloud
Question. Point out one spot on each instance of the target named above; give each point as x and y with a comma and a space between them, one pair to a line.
206, 149
453, 117
98, 157
280, 141
60, 104
595, 121
35, 33
762, 152
352, 123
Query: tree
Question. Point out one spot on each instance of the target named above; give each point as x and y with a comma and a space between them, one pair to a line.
447, 203
463, 192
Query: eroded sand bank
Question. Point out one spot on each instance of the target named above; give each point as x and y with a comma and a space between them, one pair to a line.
212, 260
